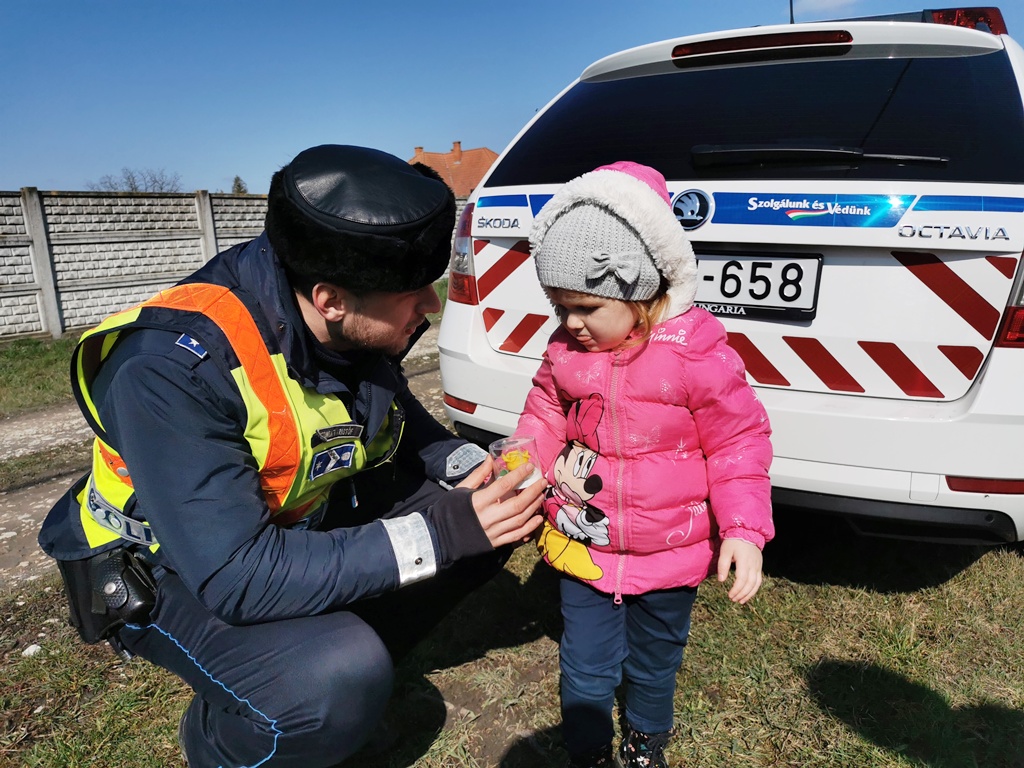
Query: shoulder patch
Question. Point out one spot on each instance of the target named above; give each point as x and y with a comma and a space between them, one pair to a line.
331, 460
187, 342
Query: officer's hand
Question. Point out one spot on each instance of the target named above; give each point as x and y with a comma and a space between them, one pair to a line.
508, 517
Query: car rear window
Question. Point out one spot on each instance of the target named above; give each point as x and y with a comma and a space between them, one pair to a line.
966, 110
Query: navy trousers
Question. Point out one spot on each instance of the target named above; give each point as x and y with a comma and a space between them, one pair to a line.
642, 639
304, 692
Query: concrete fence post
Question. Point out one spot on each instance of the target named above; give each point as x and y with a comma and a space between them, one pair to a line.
207, 228
42, 261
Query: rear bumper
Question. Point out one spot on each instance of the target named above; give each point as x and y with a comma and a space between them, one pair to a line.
920, 522
879, 460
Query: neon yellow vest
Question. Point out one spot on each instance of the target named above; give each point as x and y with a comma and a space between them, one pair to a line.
303, 441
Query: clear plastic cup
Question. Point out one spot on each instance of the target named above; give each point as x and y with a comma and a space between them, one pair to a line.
512, 452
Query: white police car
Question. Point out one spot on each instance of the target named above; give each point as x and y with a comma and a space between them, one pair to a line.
854, 191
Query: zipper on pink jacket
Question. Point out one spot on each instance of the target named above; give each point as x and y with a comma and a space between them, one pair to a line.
617, 600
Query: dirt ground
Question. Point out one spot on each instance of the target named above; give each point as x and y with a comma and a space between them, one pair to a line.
22, 510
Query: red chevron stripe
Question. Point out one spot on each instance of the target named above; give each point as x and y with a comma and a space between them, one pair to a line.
523, 332
824, 365
966, 359
509, 262
758, 366
1007, 265
491, 316
948, 286
900, 369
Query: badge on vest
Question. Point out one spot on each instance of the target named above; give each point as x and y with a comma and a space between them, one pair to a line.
331, 460
351, 431
187, 342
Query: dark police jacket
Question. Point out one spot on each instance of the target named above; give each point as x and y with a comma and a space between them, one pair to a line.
176, 422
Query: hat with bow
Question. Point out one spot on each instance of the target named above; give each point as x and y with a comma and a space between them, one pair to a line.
612, 233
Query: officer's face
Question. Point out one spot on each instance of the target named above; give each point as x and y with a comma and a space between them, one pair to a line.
384, 321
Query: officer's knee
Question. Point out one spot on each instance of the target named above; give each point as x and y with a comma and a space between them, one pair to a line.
354, 683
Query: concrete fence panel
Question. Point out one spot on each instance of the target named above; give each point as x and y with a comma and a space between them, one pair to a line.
69, 259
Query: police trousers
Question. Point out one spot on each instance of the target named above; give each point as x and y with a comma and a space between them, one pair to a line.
304, 692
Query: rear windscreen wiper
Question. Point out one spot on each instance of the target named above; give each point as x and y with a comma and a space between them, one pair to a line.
706, 155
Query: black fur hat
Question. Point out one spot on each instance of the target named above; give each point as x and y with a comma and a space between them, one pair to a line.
361, 219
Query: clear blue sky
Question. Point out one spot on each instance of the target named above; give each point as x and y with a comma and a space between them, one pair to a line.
209, 89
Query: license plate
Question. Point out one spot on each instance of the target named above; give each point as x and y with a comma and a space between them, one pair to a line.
759, 286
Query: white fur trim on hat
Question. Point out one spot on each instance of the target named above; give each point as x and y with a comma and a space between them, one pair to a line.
646, 212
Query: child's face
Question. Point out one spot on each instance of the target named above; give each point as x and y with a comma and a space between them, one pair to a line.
599, 324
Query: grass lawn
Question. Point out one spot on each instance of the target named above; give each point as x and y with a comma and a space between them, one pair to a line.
35, 373
857, 652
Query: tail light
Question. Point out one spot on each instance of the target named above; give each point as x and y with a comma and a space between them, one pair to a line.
753, 47
461, 277
984, 19
752, 42
459, 404
984, 485
1011, 332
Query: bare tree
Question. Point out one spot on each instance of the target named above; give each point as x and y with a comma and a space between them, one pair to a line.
238, 187
137, 180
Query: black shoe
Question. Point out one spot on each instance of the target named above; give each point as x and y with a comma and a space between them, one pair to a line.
642, 750
598, 758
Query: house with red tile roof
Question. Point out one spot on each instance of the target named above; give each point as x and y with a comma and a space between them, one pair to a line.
461, 168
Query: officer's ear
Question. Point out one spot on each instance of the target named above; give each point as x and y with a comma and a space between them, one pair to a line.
332, 301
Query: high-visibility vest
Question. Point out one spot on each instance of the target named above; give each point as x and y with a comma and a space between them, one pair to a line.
303, 441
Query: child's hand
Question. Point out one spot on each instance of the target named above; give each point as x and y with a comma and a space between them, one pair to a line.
748, 559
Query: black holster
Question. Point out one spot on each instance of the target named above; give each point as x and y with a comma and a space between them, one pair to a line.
107, 591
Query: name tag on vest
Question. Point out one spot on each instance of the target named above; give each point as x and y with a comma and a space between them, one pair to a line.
336, 432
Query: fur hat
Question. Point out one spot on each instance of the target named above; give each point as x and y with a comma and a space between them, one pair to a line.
612, 233
360, 218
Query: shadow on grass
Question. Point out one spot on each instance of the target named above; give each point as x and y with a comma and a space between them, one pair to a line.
914, 721
416, 715
815, 548
504, 613
541, 749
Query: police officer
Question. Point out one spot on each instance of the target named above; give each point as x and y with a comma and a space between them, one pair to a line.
260, 457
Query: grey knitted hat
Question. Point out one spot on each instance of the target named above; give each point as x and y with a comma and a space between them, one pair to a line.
612, 233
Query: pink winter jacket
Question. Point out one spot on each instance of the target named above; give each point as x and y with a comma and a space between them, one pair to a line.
653, 454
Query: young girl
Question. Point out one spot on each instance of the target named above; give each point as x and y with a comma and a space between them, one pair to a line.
656, 449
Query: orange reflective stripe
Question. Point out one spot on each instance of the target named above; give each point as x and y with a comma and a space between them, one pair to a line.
116, 464
225, 309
